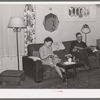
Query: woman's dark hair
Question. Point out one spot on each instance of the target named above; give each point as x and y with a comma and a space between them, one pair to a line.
77, 33
48, 39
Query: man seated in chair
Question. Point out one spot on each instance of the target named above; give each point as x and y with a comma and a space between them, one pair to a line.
79, 51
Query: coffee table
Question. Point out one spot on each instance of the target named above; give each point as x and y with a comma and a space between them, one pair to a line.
73, 65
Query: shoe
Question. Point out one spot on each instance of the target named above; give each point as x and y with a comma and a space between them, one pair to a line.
89, 69
64, 81
64, 78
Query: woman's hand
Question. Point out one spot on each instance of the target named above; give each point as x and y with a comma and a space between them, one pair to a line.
51, 56
56, 56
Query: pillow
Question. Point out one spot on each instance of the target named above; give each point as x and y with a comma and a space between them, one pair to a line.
36, 53
57, 46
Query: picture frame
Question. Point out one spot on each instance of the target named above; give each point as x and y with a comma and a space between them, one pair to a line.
79, 11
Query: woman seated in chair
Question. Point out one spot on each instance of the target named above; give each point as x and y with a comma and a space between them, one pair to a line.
49, 58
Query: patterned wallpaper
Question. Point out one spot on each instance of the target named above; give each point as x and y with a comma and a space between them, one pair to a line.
30, 21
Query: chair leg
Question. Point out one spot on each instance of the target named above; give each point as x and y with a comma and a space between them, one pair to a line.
97, 59
4, 83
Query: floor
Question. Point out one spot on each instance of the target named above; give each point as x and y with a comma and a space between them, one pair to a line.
84, 80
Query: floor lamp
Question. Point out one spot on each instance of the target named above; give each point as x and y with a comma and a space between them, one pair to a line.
85, 30
17, 23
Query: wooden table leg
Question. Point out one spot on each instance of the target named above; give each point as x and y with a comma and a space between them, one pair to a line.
75, 70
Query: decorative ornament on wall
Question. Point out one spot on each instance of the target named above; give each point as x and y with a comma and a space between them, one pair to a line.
30, 21
51, 22
81, 12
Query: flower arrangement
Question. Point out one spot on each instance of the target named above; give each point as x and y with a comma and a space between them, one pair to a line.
68, 56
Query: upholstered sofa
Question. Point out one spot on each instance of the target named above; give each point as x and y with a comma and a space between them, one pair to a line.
29, 65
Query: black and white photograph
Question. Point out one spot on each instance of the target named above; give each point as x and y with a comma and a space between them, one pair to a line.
50, 45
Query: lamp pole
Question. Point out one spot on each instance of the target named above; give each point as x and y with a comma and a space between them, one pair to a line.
16, 30
85, 38
85, 30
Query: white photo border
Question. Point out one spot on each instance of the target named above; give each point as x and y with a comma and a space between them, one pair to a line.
50, 93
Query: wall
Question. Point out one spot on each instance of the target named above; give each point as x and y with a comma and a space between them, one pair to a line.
8, 59
66, 29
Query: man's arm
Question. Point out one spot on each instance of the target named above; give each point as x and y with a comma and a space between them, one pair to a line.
82, 47
85, 45
72, 47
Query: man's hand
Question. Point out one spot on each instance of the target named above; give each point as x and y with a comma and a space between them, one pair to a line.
74, 50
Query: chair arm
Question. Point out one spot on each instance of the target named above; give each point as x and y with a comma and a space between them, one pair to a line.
33, 69
28, 65
96, 54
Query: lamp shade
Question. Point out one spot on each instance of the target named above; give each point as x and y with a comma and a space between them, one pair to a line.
16, 22
85, 29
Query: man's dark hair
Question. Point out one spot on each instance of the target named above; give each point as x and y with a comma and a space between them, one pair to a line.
77, 33
48, 39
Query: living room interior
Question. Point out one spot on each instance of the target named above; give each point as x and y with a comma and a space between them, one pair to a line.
33, 36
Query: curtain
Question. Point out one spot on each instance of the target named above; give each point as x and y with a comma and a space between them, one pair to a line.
30, 20
8, 46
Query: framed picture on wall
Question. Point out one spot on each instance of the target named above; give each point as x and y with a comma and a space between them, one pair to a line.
81, 12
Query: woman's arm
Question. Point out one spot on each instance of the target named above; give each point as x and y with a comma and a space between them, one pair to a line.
43, 55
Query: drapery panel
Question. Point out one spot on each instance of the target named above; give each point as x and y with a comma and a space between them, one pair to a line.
30, 21
7, 36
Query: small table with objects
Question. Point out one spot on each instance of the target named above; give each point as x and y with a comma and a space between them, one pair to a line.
70, 65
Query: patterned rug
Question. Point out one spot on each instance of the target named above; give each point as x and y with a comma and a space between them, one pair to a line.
83, 80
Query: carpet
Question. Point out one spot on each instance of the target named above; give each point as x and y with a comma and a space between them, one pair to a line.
83, 80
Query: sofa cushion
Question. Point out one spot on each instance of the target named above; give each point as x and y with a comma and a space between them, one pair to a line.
67, 45
56, 46
60, 53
